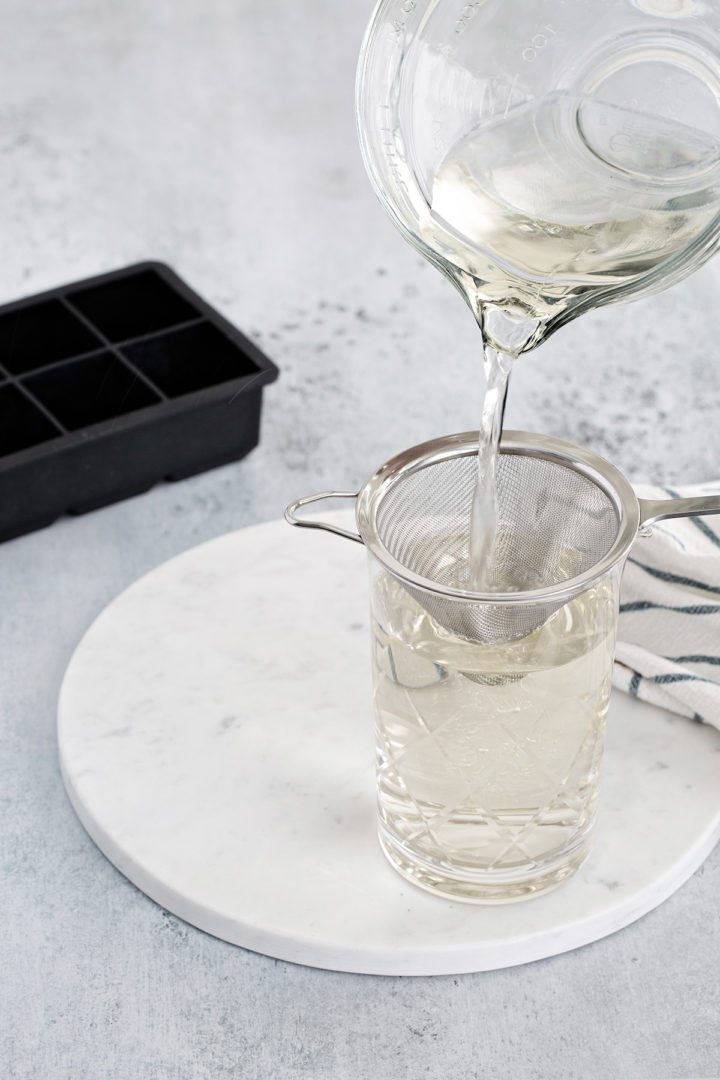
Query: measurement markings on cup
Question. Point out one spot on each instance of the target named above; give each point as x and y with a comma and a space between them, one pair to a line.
537, 43
406, 8
466, 15
394, 158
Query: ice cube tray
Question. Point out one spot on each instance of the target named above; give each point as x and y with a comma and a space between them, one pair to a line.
111, 384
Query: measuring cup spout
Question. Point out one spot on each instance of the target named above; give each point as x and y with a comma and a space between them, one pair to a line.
314, 523
652, 510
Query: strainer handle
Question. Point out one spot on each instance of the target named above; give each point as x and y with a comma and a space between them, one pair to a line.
656, 509
313, 523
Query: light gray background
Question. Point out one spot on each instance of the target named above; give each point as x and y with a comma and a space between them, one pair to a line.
220, 137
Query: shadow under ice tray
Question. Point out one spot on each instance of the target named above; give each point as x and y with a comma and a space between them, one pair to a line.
114, 383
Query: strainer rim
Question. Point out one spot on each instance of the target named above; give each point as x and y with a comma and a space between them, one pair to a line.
579, 458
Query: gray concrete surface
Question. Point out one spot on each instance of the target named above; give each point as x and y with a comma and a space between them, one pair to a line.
220, 137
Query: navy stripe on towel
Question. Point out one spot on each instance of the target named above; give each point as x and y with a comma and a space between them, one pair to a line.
648, 605
676, 579
693, 659
672, 677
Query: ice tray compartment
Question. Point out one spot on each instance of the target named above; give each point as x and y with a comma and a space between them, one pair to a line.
41, 334
133, 306
169, 360
22, 424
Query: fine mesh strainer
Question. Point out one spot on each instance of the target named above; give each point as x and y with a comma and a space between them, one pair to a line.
566, 517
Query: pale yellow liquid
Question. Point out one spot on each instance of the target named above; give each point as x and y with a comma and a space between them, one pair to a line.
535, 214
489, 755
592, 253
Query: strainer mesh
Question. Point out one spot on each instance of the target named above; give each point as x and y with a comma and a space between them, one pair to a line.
554, 524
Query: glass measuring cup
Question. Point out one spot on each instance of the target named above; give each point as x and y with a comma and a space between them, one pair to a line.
490, 707
548, 158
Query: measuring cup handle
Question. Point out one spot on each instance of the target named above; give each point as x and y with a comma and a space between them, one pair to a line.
656, 509
313, 523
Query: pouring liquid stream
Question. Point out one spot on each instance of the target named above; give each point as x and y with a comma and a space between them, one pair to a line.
484, 519
561, 206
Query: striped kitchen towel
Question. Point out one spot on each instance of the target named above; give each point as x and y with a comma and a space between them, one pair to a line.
668, 648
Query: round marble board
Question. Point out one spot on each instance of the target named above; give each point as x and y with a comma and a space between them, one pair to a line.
215, 736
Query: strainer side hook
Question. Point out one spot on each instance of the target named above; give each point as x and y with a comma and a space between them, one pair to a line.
314, 523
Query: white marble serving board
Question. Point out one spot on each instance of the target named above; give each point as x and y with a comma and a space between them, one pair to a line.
215, 738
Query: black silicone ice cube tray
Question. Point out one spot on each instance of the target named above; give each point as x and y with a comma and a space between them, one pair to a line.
111, 384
